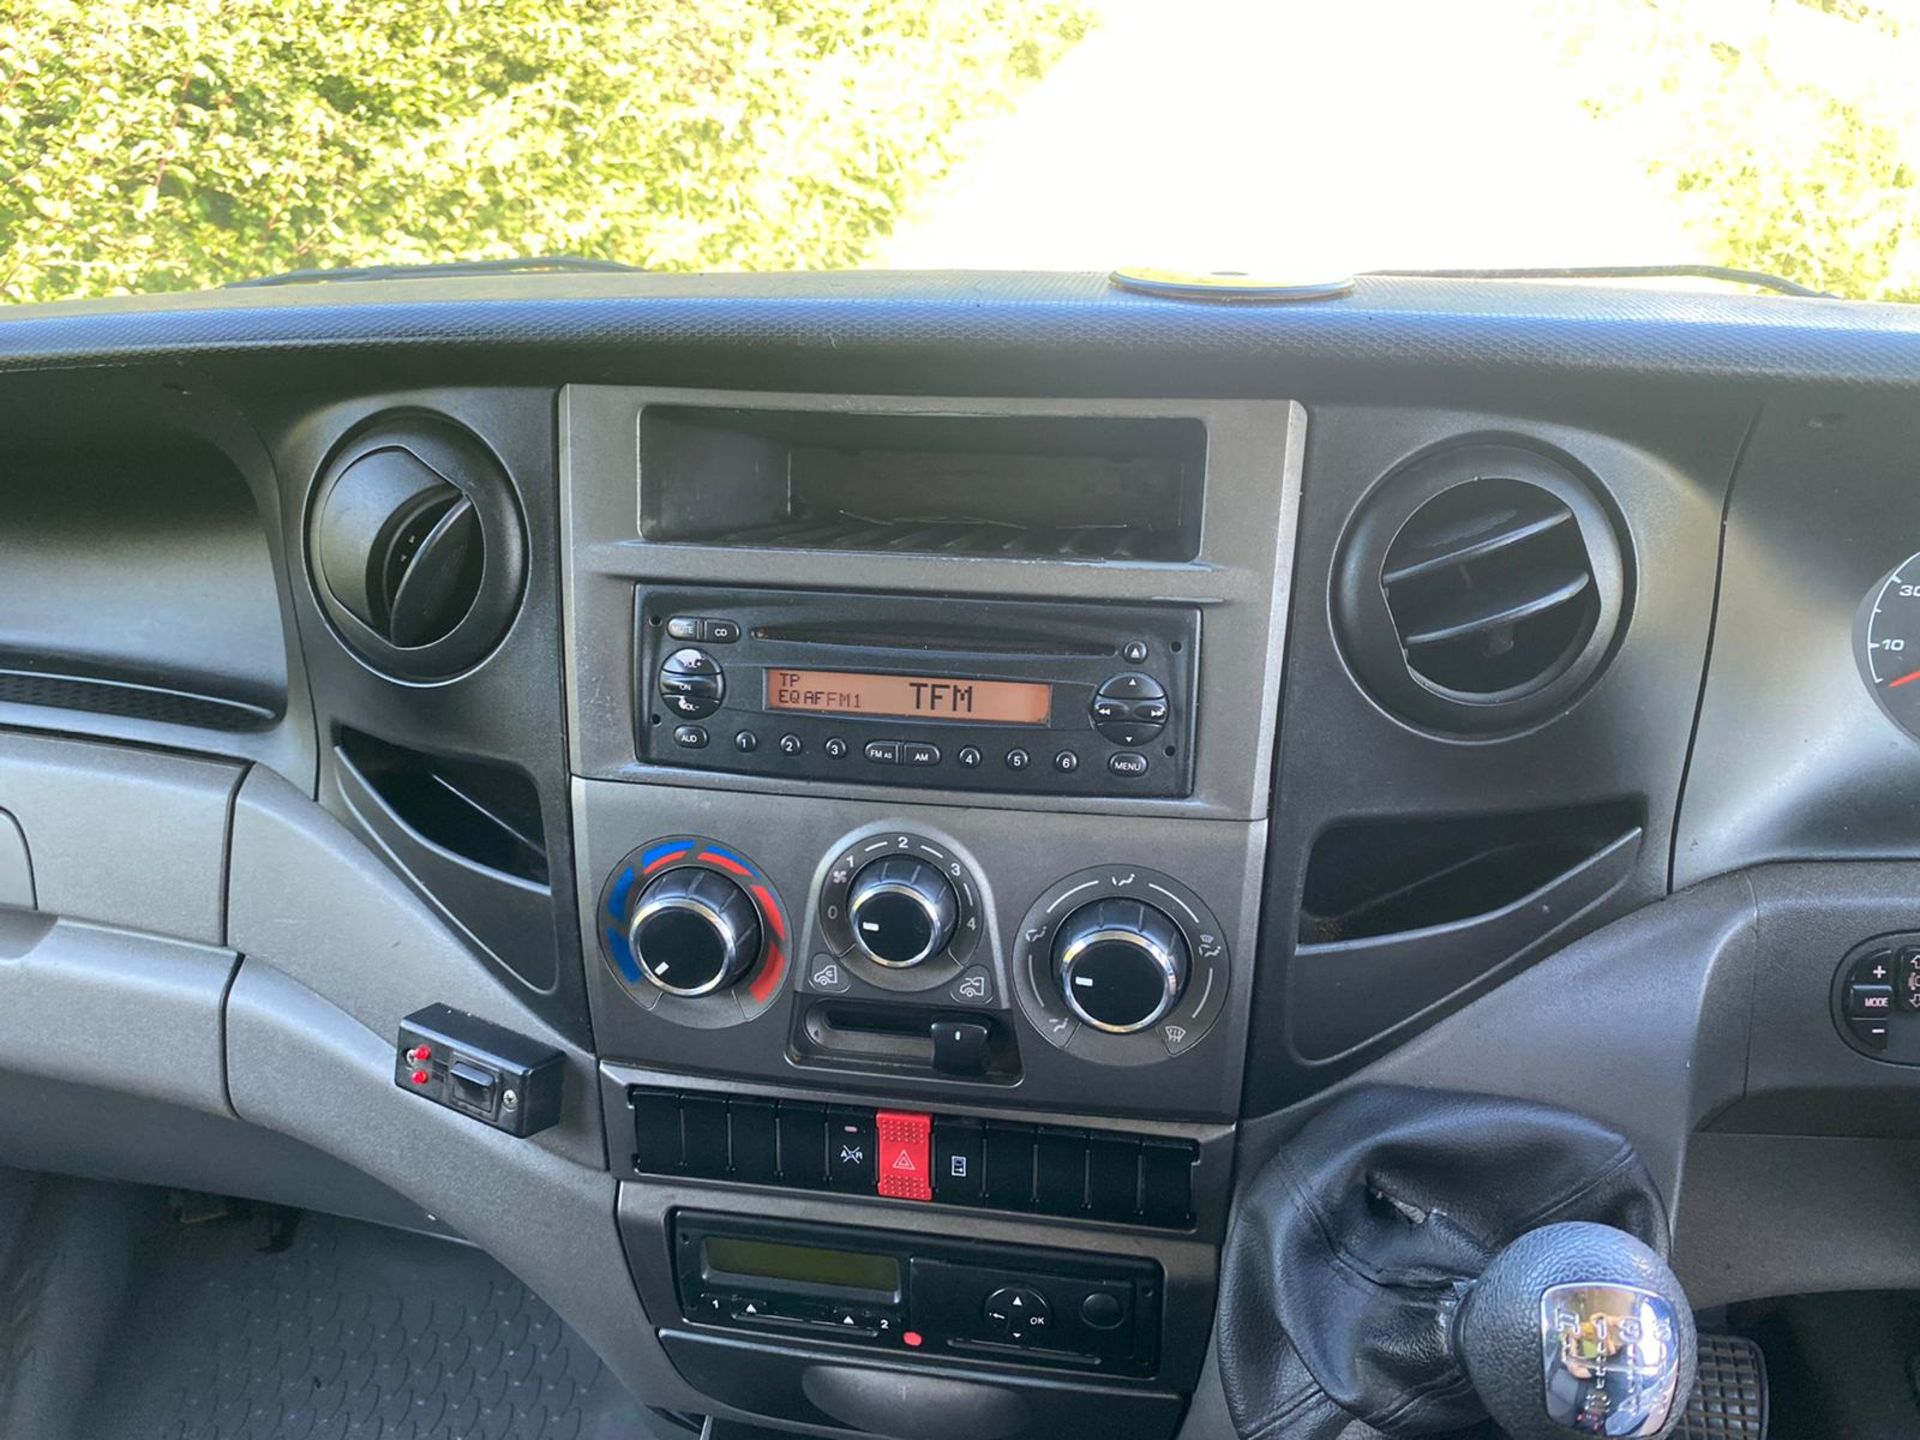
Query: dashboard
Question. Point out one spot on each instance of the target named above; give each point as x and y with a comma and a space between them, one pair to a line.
834, 824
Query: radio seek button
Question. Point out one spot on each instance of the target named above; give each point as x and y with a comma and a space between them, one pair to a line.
883, 752
1127, 764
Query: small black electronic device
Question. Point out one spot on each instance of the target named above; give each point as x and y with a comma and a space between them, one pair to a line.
483, 1070
917, 1295
933, 692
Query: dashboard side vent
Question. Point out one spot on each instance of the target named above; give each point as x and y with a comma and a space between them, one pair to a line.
417, 549
1481, 588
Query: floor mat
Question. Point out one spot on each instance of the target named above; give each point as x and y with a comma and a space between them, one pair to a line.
348, 1333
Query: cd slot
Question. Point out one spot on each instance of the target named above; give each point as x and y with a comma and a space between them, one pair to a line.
943, 640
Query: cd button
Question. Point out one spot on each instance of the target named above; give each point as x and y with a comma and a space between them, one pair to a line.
1018, 759
915, 752
720, 632
969, 757
883, 752
791, 744
835, 747
1127, 765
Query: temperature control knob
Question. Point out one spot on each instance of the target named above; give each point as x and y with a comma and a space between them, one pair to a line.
1121, 964
694, 932
903, 911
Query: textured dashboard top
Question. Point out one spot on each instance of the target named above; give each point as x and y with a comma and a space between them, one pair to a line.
1072, 333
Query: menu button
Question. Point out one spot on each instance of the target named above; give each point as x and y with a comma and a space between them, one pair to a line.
1127, 764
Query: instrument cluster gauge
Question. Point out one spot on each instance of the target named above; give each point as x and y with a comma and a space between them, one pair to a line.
1887, 644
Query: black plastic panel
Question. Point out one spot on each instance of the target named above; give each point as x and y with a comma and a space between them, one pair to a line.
1616, 751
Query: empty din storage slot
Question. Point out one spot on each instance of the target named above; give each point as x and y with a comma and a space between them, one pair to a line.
1071, 487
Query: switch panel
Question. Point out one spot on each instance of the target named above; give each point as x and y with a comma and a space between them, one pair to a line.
482, 1070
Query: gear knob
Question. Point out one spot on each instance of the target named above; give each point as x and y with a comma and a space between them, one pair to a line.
1578, 1329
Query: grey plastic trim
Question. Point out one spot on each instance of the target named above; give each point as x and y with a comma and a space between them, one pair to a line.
134, 838
131, 1013
16, 865
1241, 581
303, 1067
316, 902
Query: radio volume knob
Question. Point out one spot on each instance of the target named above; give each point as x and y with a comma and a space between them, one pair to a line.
1121, 964
694, 932
903, 911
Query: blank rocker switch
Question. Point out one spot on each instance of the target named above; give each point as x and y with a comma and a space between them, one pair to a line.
479, 1069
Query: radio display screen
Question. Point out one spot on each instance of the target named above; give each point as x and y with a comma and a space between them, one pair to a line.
800, 1264
910, 697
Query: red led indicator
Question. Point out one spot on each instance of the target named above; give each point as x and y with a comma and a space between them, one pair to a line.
420, 1054
420, 1077
912, 1337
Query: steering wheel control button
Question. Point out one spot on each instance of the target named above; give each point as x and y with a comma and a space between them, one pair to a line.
883, 752
693, 932
903, 911
1130, 709
690, 737
1869, 1002
1874, 1034
903, 1154
1908, 982
1121, 964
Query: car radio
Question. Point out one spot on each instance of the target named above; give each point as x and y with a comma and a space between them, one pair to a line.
912, 1295
936, 693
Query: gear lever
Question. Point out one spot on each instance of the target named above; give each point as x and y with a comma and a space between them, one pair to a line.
1578, 1329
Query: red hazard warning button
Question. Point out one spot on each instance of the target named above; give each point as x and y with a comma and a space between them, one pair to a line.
903, 1171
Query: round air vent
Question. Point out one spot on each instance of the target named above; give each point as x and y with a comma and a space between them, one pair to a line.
1480, 588
417, 550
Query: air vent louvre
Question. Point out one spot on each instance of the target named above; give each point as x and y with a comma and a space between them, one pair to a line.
417, 548
1480, 588
1490, 587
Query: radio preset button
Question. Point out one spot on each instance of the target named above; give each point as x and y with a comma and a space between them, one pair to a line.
835, 747
917, 752
746, 742
1018, 759
791, 744
1127, 765
1066, 762
690, 737
883, 752
969, 757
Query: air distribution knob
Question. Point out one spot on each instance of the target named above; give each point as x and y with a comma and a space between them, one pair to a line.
694, 932
1122, 964
902, 910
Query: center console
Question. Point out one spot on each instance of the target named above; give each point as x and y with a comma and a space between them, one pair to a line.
922, 760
